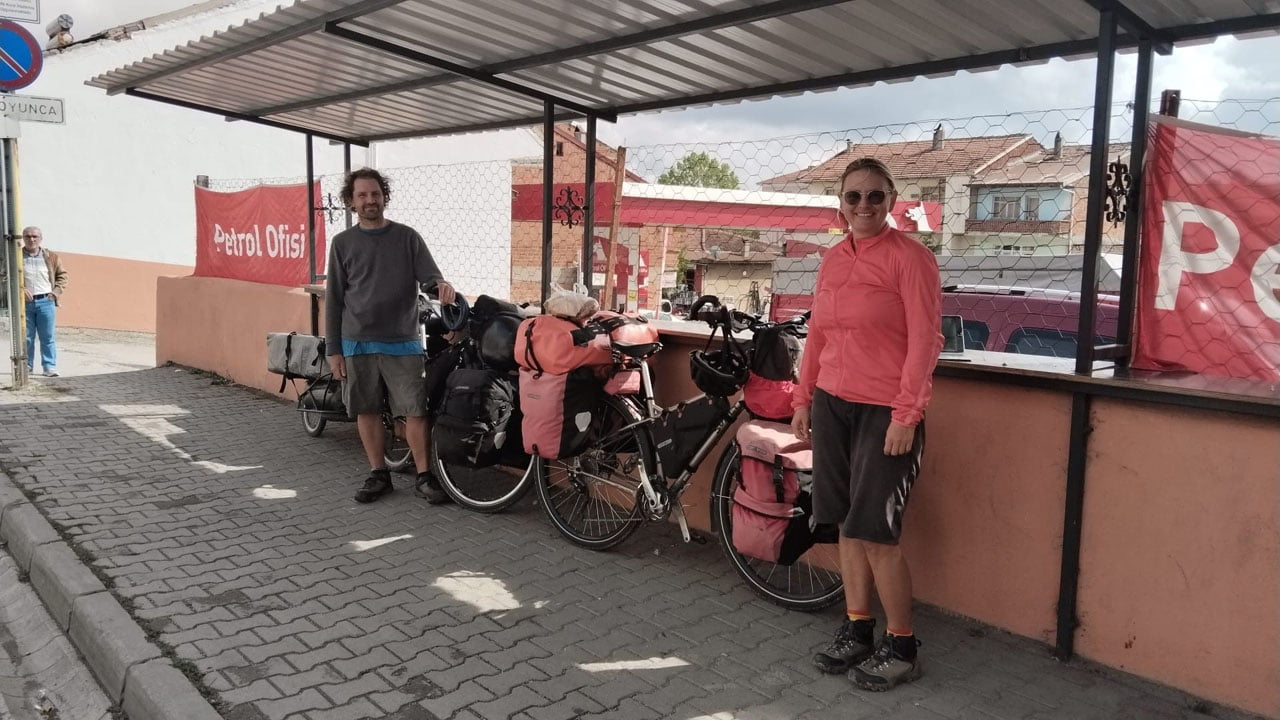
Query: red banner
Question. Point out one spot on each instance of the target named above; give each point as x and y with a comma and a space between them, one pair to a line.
1208, 278
259, 235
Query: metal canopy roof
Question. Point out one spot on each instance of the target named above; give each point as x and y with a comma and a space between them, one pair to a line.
368, 70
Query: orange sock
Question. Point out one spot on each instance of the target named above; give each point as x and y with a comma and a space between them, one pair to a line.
858, 615
900, 632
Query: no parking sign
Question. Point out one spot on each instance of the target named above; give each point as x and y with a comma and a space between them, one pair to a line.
20, 57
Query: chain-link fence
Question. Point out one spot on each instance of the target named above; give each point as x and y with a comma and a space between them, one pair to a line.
1000, 199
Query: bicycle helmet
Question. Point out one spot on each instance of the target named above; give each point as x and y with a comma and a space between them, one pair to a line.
718, 373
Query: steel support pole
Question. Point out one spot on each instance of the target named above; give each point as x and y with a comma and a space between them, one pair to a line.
589, 212
548, 184
1134, 215
1077, 453
17, 304
1097, 189
311, 233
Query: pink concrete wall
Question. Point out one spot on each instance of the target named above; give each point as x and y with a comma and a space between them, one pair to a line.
111, 293
221, 325
1180, 559
983, 530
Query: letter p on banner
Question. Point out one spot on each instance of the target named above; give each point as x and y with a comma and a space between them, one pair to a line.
1206, 278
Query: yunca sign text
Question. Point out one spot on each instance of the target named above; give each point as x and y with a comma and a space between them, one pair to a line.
28, 108
1210, 268
259, 235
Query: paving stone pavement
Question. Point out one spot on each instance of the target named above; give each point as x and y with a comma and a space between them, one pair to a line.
233, 539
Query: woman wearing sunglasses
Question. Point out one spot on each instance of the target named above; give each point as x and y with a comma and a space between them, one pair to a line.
865, 380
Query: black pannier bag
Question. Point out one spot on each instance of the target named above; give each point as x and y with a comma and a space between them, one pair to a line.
775, 352
680, 430
323, 396
478, 422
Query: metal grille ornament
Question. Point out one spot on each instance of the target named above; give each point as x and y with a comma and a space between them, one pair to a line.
1119, 182
568, 207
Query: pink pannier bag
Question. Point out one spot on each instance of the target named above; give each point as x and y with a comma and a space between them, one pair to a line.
624, 382
545, 343
772, 507
768, 399
558, 411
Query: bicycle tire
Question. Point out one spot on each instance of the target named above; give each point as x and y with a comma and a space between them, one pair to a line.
396, 453
588, 509
313, 423
487, 490
804, 585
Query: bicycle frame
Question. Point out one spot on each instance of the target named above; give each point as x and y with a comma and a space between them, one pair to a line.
663, 498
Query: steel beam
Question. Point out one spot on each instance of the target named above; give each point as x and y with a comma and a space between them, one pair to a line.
355, 10
599, 47
460, 70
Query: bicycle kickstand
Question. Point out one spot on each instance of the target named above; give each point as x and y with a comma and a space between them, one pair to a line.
678, 510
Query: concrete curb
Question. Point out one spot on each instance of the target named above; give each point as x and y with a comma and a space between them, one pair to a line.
131, 670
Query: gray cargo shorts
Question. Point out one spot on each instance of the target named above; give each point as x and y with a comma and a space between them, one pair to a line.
400, 377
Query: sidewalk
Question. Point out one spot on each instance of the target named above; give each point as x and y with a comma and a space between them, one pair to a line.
233, 539
83, 351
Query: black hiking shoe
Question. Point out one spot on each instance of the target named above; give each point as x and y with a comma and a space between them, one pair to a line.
428, 486
853, 643
893, 663
375, 486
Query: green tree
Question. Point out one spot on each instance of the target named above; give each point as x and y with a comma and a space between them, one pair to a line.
700, 170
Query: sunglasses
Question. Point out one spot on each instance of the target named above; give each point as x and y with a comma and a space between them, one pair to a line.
875, 197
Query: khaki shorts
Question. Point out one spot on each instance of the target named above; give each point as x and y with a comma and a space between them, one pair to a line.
399, 377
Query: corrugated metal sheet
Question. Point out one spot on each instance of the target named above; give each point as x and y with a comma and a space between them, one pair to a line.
613, 57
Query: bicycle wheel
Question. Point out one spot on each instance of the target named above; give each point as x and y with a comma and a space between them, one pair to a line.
487, 490
593, 499
811, 583
313, 422
396, 453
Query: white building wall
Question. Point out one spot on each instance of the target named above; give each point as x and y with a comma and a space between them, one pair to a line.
116, 179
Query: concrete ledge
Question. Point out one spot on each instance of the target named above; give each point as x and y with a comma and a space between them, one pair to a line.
129, 667
9, 495
25, 529
59, 578
109, 639
155, 690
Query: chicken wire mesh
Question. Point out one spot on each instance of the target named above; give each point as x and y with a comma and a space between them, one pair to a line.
1000, 199
463, 210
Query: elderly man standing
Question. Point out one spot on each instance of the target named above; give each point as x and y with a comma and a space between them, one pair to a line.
46, 280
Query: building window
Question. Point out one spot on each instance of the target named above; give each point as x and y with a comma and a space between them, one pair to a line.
1031, 209
1019, 250
1006, 207
931, 193
559, 149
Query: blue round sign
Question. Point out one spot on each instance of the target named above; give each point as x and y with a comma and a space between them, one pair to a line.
20, 56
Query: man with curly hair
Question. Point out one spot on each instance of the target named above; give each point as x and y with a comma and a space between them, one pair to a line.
371, 327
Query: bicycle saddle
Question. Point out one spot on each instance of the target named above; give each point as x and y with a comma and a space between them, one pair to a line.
639, 351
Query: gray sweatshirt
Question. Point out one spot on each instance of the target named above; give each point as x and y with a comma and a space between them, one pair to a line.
371, 293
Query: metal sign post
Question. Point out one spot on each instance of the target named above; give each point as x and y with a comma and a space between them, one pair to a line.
8, 223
